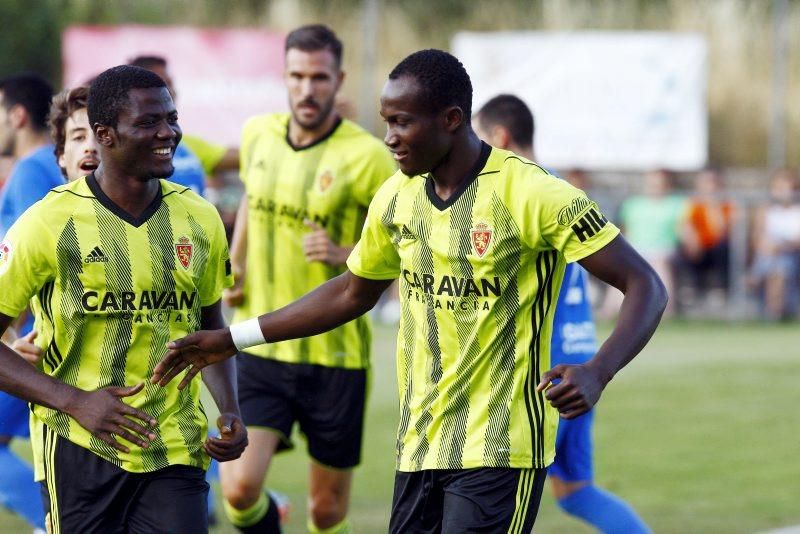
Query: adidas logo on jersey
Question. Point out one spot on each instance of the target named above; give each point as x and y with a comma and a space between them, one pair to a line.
96, 256
405, 233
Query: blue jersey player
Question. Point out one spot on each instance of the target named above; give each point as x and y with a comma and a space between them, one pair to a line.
506, 122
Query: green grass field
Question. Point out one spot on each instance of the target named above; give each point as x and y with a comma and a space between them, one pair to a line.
698, 434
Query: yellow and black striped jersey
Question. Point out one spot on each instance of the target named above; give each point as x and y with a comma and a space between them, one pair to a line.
479, 279
109, 291
331, 183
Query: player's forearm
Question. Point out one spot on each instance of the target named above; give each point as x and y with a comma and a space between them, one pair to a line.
644, 303
220, 379
20, 379
332, 304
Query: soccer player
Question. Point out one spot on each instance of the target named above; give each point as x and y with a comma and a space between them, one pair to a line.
479, 238
506, 122
118, 262
309, 176
24, 102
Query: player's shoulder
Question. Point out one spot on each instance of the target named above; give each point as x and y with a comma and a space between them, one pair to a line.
509, 165
273, 124
193, 203
358, 138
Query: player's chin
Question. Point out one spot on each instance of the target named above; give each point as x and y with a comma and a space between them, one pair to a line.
162, 172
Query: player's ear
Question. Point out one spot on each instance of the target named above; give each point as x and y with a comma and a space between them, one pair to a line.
453, 118
105, 135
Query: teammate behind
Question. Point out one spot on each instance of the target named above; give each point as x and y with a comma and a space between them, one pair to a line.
309, 176
479, 238
506, 122
118, 262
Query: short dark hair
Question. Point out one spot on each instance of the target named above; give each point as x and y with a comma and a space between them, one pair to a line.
64, 105
31, 92
313, 37
512, 113
108, 94
442, 77
148, 62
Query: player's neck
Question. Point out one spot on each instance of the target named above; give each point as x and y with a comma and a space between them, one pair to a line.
301, 137
131, 194
27, 141
449, 174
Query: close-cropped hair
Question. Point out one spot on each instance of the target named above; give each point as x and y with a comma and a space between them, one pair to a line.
513, 114
148, 62
313, 37
64, 105
441, 76
30, 91
108, 94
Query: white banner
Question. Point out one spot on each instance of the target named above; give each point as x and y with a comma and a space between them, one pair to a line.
601, 100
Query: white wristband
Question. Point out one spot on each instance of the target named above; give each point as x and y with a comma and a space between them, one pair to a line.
247, 334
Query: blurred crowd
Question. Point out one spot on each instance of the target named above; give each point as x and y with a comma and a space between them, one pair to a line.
685, 228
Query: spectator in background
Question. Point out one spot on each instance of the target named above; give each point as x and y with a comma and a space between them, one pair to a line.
652, 222
24, 103
195, 159
776, 268
705, 234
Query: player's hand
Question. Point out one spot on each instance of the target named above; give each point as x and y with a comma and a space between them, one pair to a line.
576, 393
318, 246
102, 413
232, 439
234, 296
193, 352
25, 347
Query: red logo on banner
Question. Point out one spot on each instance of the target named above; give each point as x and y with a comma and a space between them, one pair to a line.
481, 238
183, 249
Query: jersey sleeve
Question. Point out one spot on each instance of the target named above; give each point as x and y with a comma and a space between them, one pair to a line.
375, 255
25, 262
217, 274
378, 167
570, 222
209, 154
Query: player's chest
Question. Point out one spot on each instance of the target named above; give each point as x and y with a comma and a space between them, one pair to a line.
314, 181
121, 258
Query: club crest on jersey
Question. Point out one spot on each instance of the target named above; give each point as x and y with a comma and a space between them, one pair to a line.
325, 181
183, 249
5, 254
481, 236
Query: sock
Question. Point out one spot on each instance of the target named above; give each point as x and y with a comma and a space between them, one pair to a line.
603, 510
261, 518
18, 491
343, 527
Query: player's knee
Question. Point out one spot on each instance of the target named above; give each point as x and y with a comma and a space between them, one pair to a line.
241, 494
326, 510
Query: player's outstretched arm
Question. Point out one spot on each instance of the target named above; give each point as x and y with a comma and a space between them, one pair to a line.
100, 412
332, 304
619, 265
220, 379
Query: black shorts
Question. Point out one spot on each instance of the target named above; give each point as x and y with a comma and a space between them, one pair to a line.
84, 493
327, 403
486, 499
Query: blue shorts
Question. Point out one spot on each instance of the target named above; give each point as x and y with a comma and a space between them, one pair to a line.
573, 461
14, 416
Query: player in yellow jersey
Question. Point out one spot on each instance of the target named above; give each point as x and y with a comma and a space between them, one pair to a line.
479, 238
309, 176
117, 263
